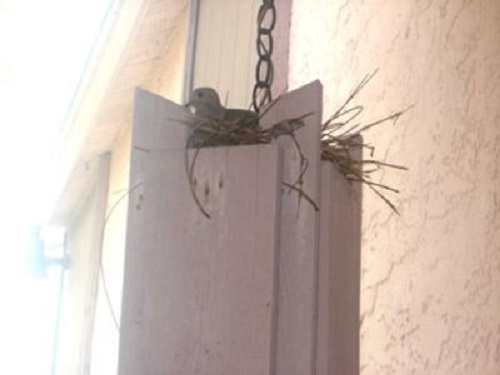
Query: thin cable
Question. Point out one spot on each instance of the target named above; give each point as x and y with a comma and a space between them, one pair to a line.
101, 266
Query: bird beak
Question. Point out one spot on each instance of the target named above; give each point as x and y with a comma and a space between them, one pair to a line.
190, 107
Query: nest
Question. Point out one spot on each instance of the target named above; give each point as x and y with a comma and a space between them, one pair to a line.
340, 140
214, 132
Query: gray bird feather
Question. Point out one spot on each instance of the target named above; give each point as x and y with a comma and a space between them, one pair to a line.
204, 102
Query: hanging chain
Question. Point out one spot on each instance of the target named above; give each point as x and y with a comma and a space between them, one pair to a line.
264, 71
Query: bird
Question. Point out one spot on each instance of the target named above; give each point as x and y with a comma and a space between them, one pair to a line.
204, 102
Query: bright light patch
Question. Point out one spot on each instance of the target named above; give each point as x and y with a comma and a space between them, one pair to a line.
44, 46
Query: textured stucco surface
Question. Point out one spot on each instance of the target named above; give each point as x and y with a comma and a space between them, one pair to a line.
430, 288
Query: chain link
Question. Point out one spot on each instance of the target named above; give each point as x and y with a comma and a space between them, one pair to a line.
264, 70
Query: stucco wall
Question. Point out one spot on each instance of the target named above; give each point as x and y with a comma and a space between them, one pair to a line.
430, 298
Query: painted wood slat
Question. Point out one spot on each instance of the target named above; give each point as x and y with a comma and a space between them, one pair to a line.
157, 125
339, 274
299, 235
199, 294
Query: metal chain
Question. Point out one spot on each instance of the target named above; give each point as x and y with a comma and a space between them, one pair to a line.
264, 71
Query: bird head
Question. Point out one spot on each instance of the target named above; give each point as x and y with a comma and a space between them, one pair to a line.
203, 97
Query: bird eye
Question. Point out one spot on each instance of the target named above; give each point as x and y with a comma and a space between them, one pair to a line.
200, 95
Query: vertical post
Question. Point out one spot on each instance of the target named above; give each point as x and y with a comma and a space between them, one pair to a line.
339, 280
299, 233
199, 294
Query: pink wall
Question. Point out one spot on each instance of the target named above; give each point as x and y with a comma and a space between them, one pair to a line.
430, 296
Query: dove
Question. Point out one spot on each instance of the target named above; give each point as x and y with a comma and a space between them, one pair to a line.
204, 102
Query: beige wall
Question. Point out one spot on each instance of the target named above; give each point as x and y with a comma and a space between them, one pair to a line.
430, 295
74, 325
81, 279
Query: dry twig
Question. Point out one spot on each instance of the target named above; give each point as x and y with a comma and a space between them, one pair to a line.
339, 137
212, 132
